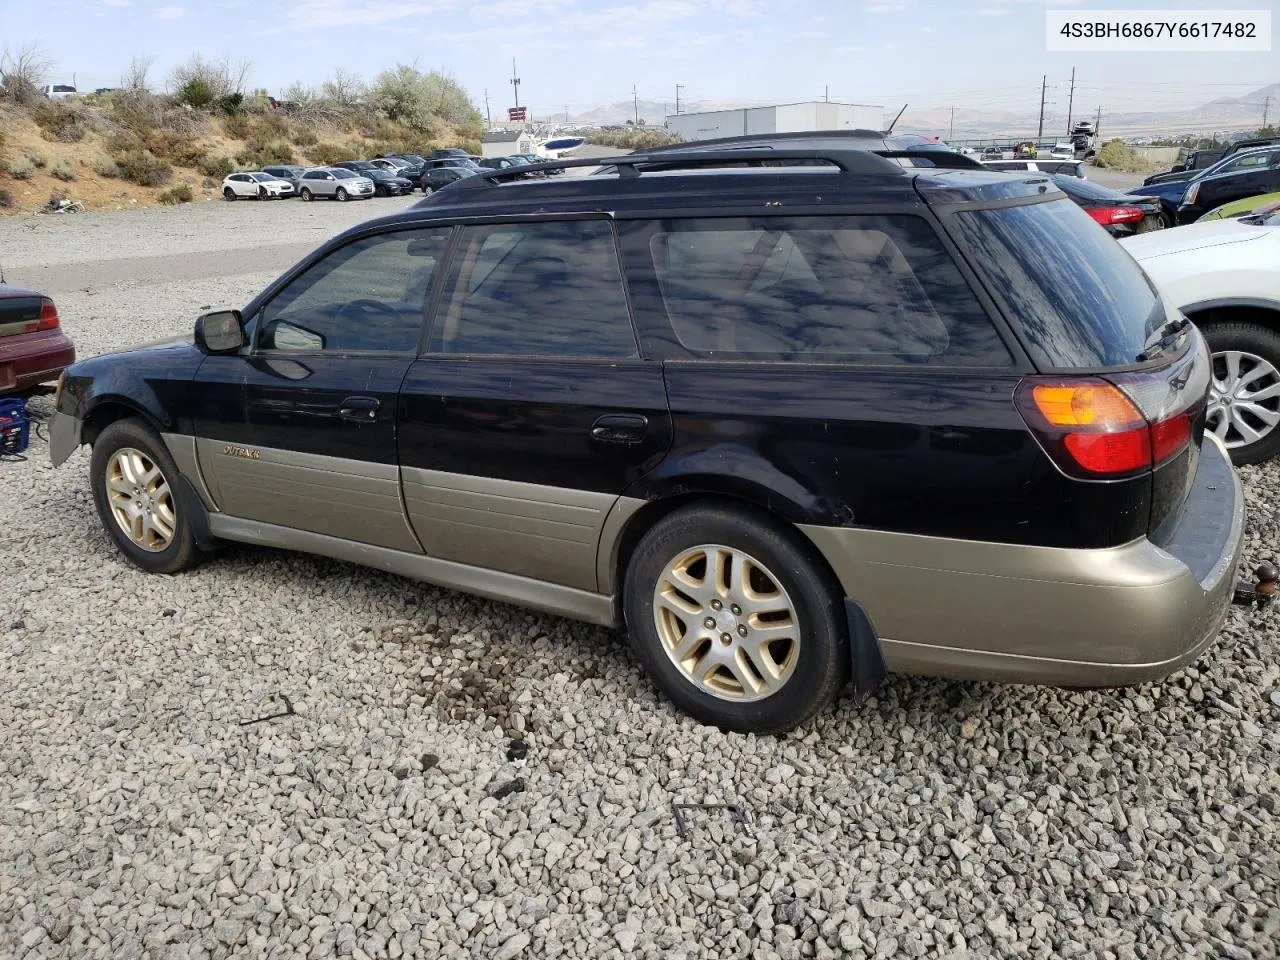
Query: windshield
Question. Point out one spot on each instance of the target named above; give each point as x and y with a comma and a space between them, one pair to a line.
1078, 299
261, 177
1238, 159
342, 174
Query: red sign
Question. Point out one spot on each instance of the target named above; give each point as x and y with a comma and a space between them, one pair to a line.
517, 113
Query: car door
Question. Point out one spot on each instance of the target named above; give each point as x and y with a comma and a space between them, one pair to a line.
305, 433
531, 410
1247, 176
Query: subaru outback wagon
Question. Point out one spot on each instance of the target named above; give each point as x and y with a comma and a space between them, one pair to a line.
791, 425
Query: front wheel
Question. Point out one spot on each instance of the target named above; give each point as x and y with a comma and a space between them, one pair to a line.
305, 194
341, 195
730, 614
426, 191
135, 489
228, 194
1244, 394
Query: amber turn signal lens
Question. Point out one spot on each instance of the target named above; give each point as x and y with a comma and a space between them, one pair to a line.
1099, 406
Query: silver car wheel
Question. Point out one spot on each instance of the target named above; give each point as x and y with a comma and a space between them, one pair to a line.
1244, 398
140, 499
727, 623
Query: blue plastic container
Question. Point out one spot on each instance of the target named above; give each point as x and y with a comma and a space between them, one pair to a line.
15, 427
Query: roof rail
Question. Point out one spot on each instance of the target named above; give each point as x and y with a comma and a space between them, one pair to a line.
851, 134
629, 165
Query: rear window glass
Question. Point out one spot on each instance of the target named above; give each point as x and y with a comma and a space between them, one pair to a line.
1085, 189
1077, 298
863, 289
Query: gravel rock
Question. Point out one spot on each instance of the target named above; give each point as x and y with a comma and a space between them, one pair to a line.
138, 818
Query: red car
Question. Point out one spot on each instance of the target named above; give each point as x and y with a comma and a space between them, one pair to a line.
33, 348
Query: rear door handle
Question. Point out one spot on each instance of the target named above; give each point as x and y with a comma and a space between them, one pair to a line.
359, 409
620, 428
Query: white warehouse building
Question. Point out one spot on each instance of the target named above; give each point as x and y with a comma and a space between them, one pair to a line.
784, 118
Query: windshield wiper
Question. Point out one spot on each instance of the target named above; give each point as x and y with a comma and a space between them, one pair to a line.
1162, 338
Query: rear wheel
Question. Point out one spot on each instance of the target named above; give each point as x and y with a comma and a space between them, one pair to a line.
228, 194
340, 195
135, 489
1244, 395
305, 194
426, 191
733, 619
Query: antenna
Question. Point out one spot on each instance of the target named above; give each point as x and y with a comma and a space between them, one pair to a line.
897, 118
515, 81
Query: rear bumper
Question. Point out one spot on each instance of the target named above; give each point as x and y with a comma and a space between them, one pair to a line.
28, 359
1026, 614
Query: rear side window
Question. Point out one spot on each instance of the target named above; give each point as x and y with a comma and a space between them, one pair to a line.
536, 289
862, 289
1075, 295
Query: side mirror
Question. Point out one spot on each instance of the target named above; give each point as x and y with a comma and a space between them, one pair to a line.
220, 332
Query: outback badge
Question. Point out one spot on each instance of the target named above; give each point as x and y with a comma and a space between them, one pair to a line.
231, 450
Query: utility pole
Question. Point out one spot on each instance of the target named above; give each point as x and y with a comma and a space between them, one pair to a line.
952, 134
826, 93
487, 119
1044, 83
680, 86
1097, 120
1266, 108
1071, 99
515, 80
635, 99
566, 113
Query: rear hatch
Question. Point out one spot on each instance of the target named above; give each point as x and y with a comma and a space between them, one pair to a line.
1122, 378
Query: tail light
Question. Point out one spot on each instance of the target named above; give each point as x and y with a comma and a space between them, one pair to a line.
48, 319
1109, 215
1096, 429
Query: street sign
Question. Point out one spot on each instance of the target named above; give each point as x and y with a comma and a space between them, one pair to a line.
517, 113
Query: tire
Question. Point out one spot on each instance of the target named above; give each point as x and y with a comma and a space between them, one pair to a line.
427, 191
134, 437
380, 191
305, 194
228, 194
1169, 222
1249, 342
812, 662
340, 195
262, 193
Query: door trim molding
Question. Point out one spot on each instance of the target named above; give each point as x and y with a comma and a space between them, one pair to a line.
491, 584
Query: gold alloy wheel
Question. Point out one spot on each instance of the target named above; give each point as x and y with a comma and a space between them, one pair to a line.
140, 499
727, 623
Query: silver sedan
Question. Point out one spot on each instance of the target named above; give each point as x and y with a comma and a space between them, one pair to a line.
336, 183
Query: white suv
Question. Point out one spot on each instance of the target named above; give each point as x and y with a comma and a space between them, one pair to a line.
1225, 276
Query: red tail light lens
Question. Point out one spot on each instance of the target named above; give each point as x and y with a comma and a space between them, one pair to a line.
48, 319
1093, 430
1109, 215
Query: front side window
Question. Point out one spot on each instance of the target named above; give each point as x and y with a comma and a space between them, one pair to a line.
367, 296
536, 289
864, 289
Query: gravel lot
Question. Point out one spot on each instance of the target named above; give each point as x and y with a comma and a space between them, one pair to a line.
140, 817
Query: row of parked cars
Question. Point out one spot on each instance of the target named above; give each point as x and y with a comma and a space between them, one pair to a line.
746, 431
389, 175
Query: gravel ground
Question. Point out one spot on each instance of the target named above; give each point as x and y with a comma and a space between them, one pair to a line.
392, 816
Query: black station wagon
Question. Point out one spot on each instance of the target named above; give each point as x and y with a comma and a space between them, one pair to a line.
794, 417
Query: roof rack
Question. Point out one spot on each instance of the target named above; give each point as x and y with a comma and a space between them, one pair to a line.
843, 134
629, 165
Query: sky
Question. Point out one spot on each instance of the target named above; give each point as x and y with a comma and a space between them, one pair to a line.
984, 55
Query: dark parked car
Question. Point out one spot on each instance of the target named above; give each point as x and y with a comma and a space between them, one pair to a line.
1197, 160
1069, 168
441, 173
1248, 174
1121, 214
290, 172
502, 163
33, 348
414, 163
384, 184
928, 419
1172, 192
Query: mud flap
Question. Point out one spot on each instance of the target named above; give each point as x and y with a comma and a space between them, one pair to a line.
864, 651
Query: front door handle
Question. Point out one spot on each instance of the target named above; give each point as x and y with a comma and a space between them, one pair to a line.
359, 409
620, 428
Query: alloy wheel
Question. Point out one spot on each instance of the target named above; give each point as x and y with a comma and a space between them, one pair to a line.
1244, 398
727, 623
140, 499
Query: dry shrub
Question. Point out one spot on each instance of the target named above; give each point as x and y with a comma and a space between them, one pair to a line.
236, 126
259, 154
302, 135
142, 112
143, 168
22, 169
328, 153
216, 166
105, 167
6, 199
36, 160
174, 195
269, 126
62, 169
61, 121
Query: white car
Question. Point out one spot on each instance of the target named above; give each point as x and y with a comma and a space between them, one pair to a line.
59, 91
256, 184
1063, 151
1225, 276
